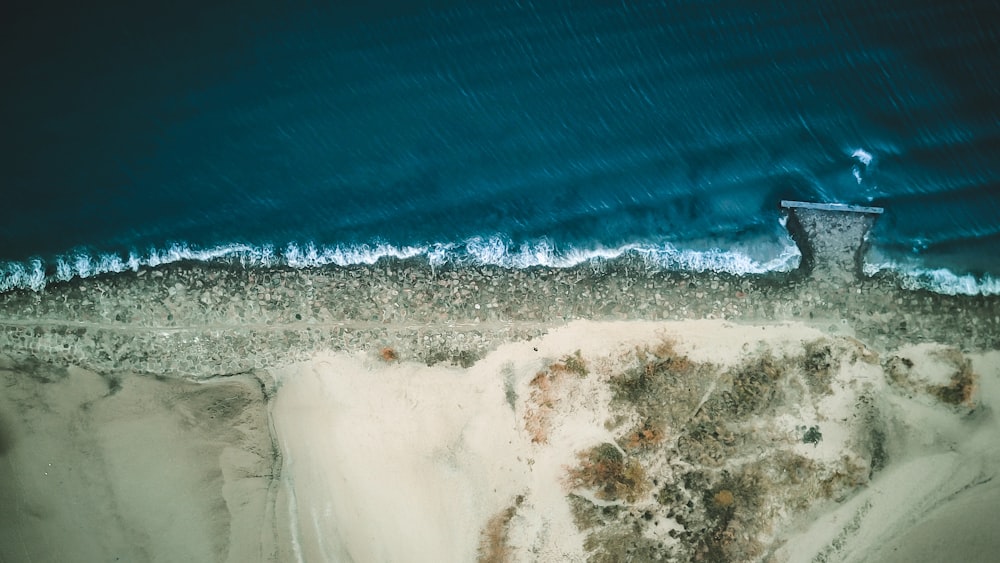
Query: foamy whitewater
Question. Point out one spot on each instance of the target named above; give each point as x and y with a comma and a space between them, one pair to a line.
493, 251
514, 134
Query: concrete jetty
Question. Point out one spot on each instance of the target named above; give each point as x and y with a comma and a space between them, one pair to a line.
831, 236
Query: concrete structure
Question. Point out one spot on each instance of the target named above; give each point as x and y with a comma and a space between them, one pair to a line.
831, 236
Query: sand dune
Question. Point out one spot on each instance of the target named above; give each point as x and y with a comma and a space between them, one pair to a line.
403, 462
136, 470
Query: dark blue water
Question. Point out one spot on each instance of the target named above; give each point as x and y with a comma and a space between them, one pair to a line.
505, 132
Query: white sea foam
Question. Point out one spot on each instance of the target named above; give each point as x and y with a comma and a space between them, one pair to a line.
494, 251
738, 263
938, 280
864, 160
312, 256
22, 275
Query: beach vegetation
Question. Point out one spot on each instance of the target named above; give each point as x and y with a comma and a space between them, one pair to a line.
388, 354
645, 436
794, 469
670, 494
812, 436
114, 382
731, 507
877, 450
656, 372
493, 542
586, 515
754, 386
707, 442
819, 363
898, 368
961, 389
613, 532
844, 479
463, 358
42, 372
624, 545
862, 352
509, 381
610, 474
572, 363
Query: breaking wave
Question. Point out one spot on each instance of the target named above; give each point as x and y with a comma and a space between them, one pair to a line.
36, 273
938, 280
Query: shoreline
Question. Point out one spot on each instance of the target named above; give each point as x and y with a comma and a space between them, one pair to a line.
603, 411
168, 320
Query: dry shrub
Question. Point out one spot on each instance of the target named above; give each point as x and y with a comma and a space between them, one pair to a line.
388, 354
961, 390
656, 368
545, 388
539, 408
605, 470
665, 352
493, 546
571, 363
723, 498
644, 437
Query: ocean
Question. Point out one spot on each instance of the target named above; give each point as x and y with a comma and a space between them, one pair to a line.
510, 133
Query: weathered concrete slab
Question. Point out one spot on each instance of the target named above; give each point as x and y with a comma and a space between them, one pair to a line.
831, 207
832, 237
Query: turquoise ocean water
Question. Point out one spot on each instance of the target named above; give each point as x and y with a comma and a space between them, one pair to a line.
513, 133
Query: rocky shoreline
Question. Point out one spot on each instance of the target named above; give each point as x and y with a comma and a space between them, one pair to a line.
200, 320
204, 320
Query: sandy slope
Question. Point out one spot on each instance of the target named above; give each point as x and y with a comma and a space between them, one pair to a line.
153, 471
937, 500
